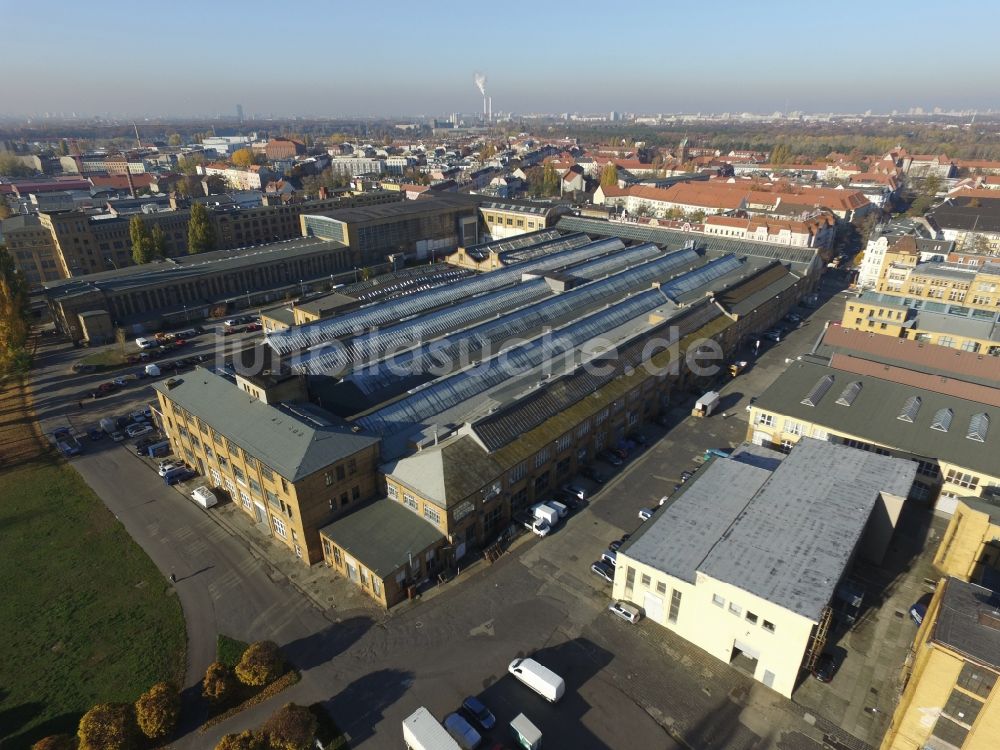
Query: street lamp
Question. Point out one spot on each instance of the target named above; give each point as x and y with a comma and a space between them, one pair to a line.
248, 298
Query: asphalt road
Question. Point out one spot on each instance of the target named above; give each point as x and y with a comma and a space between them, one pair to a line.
541, 598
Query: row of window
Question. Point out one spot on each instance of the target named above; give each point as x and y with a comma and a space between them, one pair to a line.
736, 610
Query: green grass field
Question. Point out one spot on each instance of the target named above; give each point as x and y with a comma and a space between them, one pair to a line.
85, 615
108, 358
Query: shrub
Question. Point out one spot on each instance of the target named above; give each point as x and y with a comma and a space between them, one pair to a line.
108, 726
218, 683
243, 741
260, 664
291, 727
55, 742
157, 710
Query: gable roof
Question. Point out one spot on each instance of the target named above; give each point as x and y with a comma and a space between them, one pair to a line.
446, 473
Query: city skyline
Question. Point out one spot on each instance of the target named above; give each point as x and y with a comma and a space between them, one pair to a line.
555, 58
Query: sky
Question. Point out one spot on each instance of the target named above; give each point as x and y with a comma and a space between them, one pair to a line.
394, 58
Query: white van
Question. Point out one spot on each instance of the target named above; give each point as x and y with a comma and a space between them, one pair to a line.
152, 371
204, 496
558, 507
144, 343
542, 680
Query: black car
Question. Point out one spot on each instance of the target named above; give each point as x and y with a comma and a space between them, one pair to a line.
122, 422
476, 710
826, 666
686, 475
142, 445
617, 543
593, 474
610, 458
95, 434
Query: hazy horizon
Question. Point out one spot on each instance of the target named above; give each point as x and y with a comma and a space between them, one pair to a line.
314, 59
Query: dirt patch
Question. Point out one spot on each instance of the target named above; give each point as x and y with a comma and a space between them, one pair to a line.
20, 438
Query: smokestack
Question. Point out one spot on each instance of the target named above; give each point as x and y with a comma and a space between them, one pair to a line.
489, 113
480, 81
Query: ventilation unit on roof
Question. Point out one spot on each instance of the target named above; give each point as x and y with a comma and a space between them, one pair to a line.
850, 393
818, 391
942, 420
979, 425
910, 409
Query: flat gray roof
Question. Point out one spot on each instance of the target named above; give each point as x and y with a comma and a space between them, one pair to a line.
969, 621
400, 209
293, 441
873, 415
382, 535
786, 535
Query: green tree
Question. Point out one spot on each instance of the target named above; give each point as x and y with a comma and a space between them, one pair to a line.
108, 726
291, 727
14, 315
609, 175
244, 741
201, 233
63, 147
216, 184
174, 140
5, 211
157, 710
142, 240
11, 166
550, 180
243, 158
932, 183
218, 683
260, 664
781, 154
55, 742
158, 243
189, 164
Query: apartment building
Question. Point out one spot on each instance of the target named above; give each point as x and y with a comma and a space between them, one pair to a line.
102, 163
289, 466
746, 560
817, 231
970, 546
30, 245
914, 235
511, 217
950, 325
951, 699
283, 148
253, 177
970, 221
936, 406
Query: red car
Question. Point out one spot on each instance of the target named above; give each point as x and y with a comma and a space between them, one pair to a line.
252, 327
180, 342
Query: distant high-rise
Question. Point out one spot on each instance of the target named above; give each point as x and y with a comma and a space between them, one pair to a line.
239, 112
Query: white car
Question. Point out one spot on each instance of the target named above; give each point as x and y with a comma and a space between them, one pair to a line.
626, 611
645, 514
541, 528
166, 466
135, 430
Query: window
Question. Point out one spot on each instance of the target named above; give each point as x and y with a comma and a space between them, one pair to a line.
646, 580
238, 473
376, 586
517, 473
768, 626
355, 493
541, 457
273, 500
792, 427
661, 588
340, 473
675, 606
962, 708
255, 486
431, 514
751, 618
765, 420
962, 479
735, 609
352, 467
392, 491
328, 478
976, 680
266, 473
409, 501
243, 496
564, 443
279, 527
718, 601
629, 578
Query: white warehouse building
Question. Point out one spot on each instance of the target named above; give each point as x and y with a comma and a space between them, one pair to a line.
746, 560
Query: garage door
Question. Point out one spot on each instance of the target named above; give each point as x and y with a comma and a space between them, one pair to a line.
653, 605
747, 649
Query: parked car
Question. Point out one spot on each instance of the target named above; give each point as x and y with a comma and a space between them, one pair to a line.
793, 318
617, 543
118, 436
121, 422
638, 438
686, 475
122, 380
135, 430
774, 334
476, 710
610, 458
919, 608
251, 327
95, 434
575, 490
826, 666
603, 570
175, 476
610, 557
628, 612
462, 732
167, 465
645, 514
143, 445
593, 474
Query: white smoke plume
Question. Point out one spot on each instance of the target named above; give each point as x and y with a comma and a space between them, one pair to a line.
480, 80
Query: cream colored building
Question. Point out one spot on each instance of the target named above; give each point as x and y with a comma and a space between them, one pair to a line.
746, 559
938, 407
970, 547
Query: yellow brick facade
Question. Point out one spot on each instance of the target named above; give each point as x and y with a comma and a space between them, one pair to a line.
889, 320
969, 544
941, 686
903, 275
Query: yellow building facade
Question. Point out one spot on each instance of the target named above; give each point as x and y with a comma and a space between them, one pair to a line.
950, 699
970, 547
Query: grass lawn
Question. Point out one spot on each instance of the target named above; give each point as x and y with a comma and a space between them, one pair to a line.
229, 650
85, 615
107, 358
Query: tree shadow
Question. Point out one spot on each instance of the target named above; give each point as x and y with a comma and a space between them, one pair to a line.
14, 719
322, 646
359, 707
